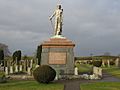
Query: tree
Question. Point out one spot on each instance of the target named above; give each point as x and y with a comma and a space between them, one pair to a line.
107, 54
4, 47
17, 56
2, 57
38, 56
1, 54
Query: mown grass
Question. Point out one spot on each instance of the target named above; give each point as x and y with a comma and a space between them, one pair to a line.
101, 86
115, 71
84, 68
30, 85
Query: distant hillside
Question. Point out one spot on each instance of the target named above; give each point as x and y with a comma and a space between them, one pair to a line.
5, 48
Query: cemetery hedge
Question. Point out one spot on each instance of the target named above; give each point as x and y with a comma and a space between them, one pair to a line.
44, 74
97, 63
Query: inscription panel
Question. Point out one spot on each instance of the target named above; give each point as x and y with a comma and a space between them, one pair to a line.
57, 57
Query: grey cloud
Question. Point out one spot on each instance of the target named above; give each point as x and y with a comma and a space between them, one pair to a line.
94, 25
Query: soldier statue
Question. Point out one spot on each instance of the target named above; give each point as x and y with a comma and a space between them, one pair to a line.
58, 14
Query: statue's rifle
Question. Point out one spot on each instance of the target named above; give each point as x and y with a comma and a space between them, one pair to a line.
52, 24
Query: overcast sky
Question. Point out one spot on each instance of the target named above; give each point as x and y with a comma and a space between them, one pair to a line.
93, 25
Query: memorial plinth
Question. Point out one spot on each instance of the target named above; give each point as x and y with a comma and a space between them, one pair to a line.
59, 54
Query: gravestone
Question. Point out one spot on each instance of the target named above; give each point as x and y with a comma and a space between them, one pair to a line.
108, 62
76, 71
31, 63
16, 68
21, 68
97, 71
11, 69
29, 70
6, 70
117, 62
103, 63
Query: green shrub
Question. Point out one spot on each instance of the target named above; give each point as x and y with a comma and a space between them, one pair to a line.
3, 79
112, 63
97, 63
89, 62
44, 74
2, 74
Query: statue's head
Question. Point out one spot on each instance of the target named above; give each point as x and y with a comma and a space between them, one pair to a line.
58, 6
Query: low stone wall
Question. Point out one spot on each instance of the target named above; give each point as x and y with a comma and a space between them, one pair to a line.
20, 77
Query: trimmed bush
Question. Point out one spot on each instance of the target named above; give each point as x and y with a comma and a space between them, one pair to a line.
97, 63
44, 74
112, 63
3, 78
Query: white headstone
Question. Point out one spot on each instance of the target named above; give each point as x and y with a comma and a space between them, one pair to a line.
100, 72
97, 71
31, 63
76, 71
29, 71
16, 68
20, 67
37, 66
117, 62
103, 63
11, 69
6, 70
108, 63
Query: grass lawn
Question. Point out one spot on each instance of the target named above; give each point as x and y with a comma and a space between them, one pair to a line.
101, 86
30, 85
83, 68
115, 71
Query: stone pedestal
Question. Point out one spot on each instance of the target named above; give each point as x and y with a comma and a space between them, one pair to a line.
58, 53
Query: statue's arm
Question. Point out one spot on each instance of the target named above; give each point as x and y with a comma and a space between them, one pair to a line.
62, 16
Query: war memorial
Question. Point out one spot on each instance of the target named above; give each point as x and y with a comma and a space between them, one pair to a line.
71, 73
58, 51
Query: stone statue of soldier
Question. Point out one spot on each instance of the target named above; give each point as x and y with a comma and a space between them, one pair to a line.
58, 14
